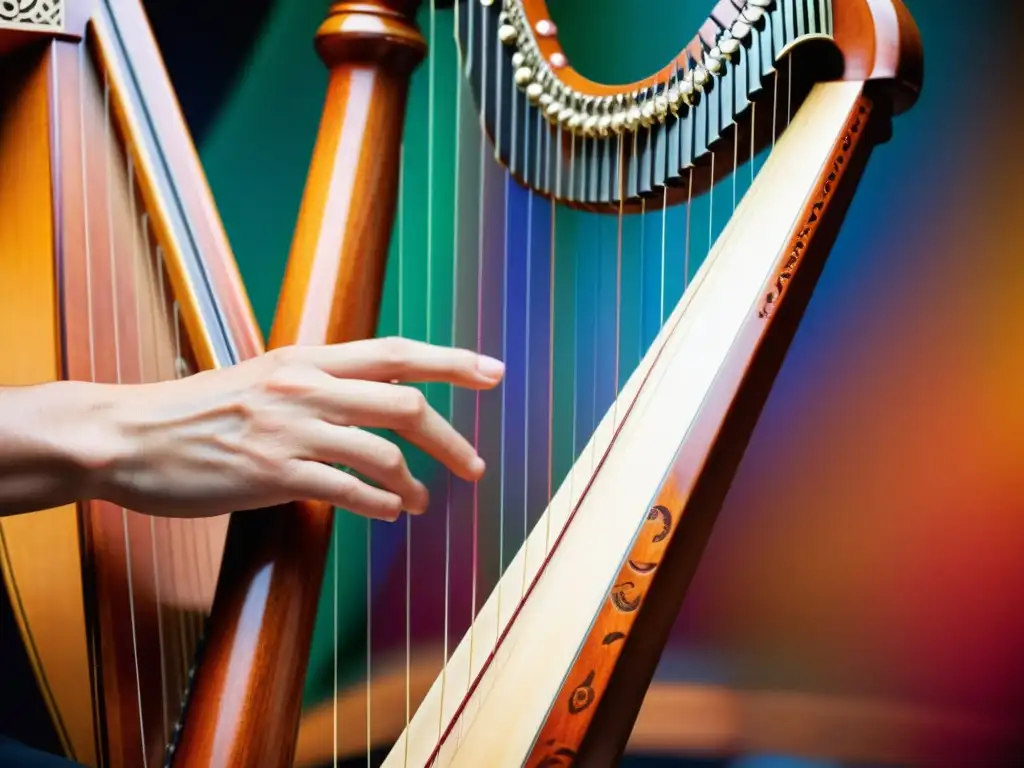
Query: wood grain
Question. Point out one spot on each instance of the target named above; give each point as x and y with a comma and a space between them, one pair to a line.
879, 39
245, 706
593, 714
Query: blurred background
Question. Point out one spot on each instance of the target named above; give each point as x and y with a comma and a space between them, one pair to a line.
861, 600
867, 567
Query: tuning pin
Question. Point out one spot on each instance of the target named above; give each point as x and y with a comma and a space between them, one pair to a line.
507, 34
647, 113
534, 91
700, 76
518, 59
740, 29
713, 61
633, 114
752, 14
523, 75
729, 47
686, 87
661, 104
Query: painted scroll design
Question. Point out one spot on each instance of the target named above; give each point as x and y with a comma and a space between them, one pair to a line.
803, 237
42, 14
596, 660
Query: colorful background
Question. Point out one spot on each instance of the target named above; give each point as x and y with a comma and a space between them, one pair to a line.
870, 547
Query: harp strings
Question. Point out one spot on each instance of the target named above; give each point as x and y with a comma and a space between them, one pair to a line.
589, 304
169, 564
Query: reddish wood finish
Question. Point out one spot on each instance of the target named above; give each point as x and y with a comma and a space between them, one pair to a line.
878, 41
590, 720
110, 107
878, 38
186, 172
118, 327
593, 713
245, 705
335, 274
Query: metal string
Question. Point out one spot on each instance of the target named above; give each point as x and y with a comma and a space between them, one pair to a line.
82, 63
664, 228
526, 388
172, 525
479, 342
451, 411
143, 377
618, 287
408, 518
369, 642
161, 300
551, 333
502, 472
117, 362
551, 313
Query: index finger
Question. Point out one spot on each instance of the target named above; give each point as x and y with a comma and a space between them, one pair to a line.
405, 360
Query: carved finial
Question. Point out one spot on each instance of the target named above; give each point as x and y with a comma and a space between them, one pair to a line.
373, 32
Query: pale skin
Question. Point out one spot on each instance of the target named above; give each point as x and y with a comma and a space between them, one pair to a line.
264, 432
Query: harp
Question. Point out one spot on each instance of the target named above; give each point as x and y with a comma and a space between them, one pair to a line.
733, 165
117, 267
778, 102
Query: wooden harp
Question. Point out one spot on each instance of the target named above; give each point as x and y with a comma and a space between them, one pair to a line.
117, 266
567, 629
542, 677
117, 269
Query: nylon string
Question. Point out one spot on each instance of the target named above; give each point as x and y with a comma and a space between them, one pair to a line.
143, 377
551, 339
479, 343
117, 363
504, 337
451, 390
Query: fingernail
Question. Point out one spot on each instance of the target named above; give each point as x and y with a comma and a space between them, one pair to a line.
477, 466
422, 499
489, 367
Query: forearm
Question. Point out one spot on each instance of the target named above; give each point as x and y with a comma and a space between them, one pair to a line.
51, 444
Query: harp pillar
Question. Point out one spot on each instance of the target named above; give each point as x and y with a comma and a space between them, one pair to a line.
245, 704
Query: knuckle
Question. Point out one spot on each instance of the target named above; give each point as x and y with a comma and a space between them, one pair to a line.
389, 506
283, 356
289, 379
395, 352
391, 459
410, 404
346, 489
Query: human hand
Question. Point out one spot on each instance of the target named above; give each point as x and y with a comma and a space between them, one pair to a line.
266, 431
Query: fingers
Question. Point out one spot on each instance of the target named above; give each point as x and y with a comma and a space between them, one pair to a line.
403, 410
370, 455
322, 482
404, 360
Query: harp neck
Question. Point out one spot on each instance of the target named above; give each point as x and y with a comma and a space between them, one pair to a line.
245, 704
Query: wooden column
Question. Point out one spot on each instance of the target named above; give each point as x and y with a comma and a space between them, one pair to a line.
245, 703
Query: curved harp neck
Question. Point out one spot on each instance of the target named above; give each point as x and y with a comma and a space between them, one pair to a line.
245, 704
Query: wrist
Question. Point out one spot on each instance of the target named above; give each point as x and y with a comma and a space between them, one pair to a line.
57, 442
82, 435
